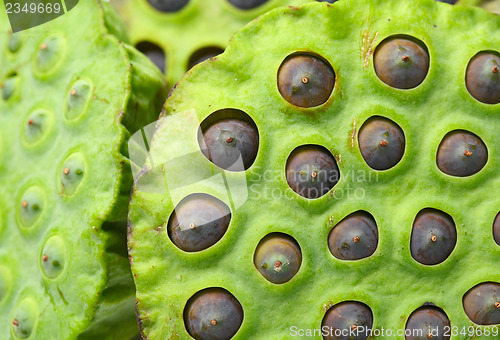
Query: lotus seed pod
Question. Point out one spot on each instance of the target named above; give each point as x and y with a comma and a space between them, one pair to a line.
348, 320
37, 126
25, 318
482, 303
482, 78
187, 32
230, 143
247, 4
355, 237
401, 62
213, 313
168, 5
78, 99
434, 236
9, 85
15, 41
428, 322
311, 171
305, 80
50, 54
461, 153
64, 270
198, 222
203, 54
278, 257
381, 142
154, 53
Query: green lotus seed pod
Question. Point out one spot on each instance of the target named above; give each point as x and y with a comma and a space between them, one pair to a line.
428, 322
65, 178
178, 34
278, 258
482, 303
9, 86
213, 313
429, 234
37, 126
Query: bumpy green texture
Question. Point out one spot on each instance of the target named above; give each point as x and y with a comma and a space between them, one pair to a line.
71, 94
390, 281
197, 25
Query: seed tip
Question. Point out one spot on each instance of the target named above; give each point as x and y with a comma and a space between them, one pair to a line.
278, 265
384, 143
467, 153
66, 171
314, 174
433, 238
305, 80
192, 226
213, 322
229, 139
494, 69
405, 58
356, 239
45, 258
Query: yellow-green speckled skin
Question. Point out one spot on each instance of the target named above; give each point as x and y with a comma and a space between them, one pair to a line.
244, 77
76, 221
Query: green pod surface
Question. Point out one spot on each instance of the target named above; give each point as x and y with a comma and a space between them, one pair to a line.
79, 92
390, 281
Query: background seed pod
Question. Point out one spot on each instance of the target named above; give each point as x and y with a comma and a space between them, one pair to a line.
64, 270
390, 282
198, 30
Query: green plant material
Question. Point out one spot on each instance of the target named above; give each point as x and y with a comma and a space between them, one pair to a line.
72, 94
198, 30
390, 282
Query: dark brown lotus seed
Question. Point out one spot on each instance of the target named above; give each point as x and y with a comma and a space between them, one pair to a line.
355, 237
350, 317
230, 143
433, 237
305, 80
168, 5
278, 257
381, 142
461, 153
154, 53
212, 314
496, 229
483, 79
198, 222
311, 171
427, 322
482, 303
247, 4
203, 54
402, 63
